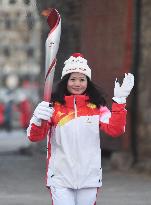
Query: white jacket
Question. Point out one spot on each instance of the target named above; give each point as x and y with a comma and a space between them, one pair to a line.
73, 140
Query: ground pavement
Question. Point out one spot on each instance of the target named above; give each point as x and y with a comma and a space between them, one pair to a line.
22, 182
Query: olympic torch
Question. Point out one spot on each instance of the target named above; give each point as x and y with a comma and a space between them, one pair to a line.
51, 49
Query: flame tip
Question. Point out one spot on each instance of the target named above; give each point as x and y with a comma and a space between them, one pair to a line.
46, 12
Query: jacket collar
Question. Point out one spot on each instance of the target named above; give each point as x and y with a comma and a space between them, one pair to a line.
80, 100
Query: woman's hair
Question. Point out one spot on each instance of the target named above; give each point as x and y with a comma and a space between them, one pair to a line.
95, 94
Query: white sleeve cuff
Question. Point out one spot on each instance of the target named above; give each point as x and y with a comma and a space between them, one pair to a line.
119, 100
35, 121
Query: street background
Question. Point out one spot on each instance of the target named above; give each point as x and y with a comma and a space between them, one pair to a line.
22, 177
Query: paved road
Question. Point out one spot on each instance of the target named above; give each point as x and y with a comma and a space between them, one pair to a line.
13, 140
22, 179
22, 183
125, 189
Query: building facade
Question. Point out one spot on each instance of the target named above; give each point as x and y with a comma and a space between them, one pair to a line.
20, 30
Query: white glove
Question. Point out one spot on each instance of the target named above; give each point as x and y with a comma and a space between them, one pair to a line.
122, 92
42, 112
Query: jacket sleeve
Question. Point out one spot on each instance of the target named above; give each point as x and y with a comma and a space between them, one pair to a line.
37, 133
113, 123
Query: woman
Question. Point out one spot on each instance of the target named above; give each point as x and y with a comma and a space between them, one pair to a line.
74, 171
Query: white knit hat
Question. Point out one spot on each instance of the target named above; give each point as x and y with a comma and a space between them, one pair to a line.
76, 63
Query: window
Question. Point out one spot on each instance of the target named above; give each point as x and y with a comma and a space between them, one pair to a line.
6, 52
30, 20
30, 52
27, 2
7, 23
12, 1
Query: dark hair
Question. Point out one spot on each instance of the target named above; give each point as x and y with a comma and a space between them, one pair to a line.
95, 94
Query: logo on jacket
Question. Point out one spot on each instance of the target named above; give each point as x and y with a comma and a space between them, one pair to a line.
88, 120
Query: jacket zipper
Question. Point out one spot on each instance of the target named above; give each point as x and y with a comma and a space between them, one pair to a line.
75, 111
75, 107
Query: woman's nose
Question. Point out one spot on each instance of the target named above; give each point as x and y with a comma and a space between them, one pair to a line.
77, 83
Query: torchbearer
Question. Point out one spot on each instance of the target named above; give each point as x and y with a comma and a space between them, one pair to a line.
74, 171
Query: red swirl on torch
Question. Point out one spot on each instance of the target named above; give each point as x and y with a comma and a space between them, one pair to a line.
51, 47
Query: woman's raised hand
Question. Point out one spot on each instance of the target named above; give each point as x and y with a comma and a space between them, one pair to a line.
121, 92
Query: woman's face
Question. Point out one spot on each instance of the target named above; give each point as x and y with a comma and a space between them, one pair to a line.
77, 83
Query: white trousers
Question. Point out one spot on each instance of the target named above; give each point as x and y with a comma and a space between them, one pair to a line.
66, 196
